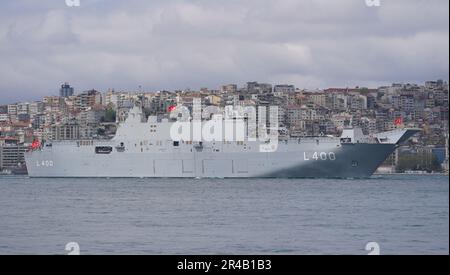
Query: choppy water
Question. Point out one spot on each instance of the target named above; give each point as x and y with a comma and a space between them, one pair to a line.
403, 214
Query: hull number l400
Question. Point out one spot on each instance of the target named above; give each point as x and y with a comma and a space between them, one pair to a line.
319, 156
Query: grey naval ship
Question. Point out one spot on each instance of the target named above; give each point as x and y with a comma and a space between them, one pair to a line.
143, 148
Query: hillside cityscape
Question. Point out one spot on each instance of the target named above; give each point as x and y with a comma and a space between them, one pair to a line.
92, 114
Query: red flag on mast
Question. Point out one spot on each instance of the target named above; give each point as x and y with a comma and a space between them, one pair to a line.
171, 108
35, 145
398, 121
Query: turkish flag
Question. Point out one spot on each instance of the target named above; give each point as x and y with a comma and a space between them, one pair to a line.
398, 121
35, 145
171, 108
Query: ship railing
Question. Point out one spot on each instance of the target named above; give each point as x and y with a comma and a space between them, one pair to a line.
366, 140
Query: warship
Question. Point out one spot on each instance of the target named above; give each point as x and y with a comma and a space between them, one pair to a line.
143, 148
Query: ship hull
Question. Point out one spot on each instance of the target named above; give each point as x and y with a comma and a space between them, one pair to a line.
301, 161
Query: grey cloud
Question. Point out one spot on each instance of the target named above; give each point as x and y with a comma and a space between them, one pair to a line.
174, 44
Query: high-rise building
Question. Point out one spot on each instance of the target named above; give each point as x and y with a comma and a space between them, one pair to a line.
88, 99
11, 153
284, 89
65, 131
258, 88
230, 88
65, 90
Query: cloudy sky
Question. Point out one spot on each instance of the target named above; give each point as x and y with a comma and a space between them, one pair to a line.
176, 44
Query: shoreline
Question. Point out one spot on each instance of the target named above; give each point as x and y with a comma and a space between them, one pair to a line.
410, 174
375, 174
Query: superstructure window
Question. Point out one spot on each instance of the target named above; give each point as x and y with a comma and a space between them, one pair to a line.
103, 149
176, 143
